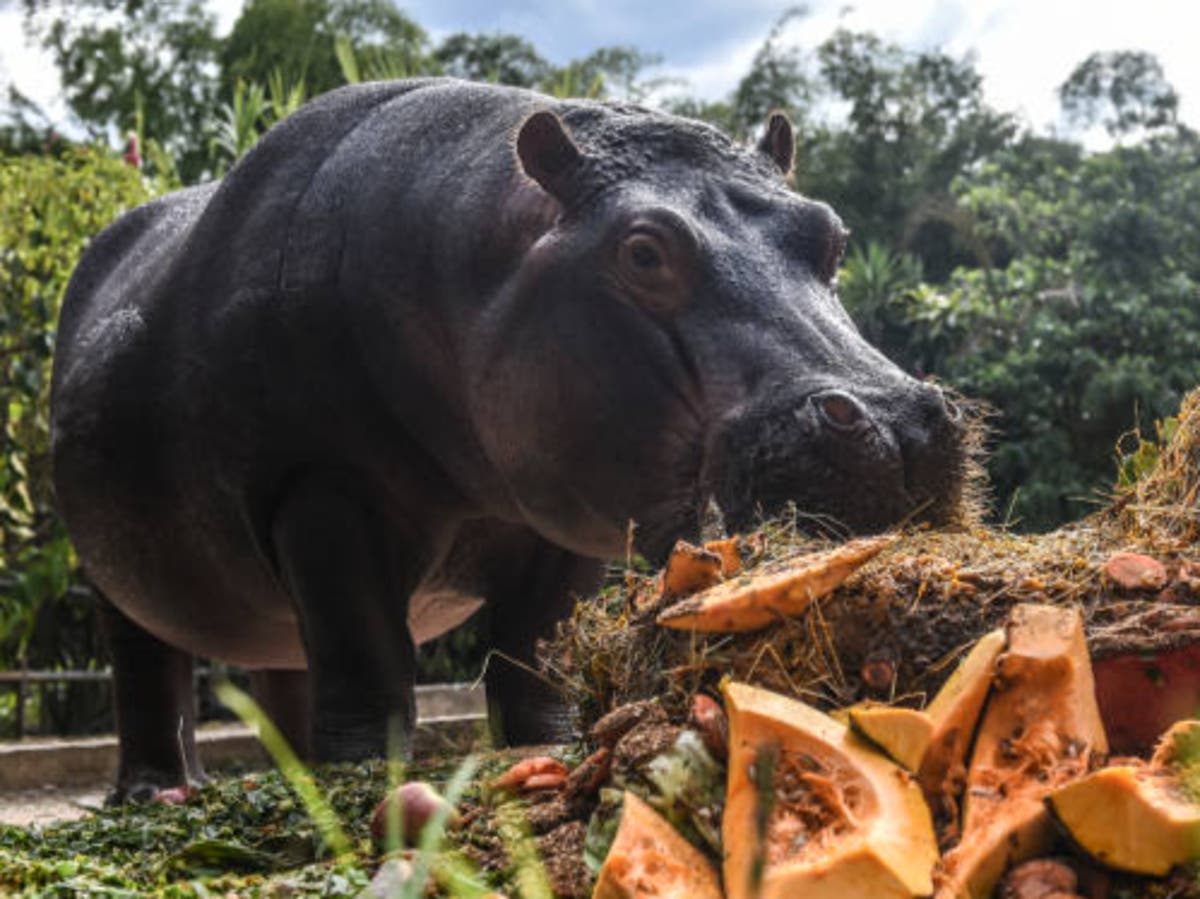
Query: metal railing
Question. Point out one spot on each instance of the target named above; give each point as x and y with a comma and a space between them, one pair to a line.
26, 683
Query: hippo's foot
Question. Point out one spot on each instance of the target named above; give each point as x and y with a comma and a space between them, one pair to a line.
146, 786
524, 711
341, 736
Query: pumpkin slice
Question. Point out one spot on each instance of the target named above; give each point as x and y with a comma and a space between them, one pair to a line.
650, 858
904, 734
954, 713
754, 601
1137, 817
1040, 730
690, 568
934, 741
812, 810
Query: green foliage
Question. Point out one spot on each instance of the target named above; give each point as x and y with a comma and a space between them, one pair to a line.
915, 122
297, 39
777, 79
1125, 91
121, 60
497, 58
1090, 327
1060, 286
50, 206
249, 836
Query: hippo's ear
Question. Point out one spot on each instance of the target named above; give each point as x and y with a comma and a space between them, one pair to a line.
778, 142
547, 153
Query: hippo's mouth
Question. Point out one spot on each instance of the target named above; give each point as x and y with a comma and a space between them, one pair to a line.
839, 469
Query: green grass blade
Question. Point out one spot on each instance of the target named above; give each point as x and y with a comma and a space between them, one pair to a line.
298, 776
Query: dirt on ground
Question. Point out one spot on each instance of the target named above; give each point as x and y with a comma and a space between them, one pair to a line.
50, 805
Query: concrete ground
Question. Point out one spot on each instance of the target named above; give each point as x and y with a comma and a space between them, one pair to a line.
50, 805
43, 781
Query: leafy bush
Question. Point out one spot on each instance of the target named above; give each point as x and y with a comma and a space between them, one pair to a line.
50, 207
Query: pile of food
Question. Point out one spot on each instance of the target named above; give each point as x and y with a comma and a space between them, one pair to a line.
908, 607
960, 714
908, 715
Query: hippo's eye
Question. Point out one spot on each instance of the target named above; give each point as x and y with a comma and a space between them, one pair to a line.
651, 266
644, 253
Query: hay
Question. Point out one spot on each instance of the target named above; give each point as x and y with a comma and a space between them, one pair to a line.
912, 611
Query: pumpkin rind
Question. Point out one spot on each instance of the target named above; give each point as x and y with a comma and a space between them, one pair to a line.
866, 832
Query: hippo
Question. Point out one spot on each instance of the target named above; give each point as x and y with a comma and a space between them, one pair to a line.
435, 346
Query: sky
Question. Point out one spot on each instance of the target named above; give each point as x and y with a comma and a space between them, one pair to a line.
1023, 48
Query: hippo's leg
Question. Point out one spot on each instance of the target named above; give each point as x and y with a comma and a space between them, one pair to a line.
285, 697
350, 581
154, 702
524, 605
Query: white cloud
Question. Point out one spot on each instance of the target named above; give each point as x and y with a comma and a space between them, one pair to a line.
1023, 48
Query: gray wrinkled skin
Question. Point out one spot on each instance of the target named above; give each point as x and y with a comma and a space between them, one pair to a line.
423, 348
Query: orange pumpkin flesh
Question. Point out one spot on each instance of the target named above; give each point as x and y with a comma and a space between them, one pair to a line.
843, 821
754, 601
650, 858
1135, 817
1040, 730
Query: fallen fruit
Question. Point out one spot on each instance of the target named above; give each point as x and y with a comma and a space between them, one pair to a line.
1134, 571
1041, 878
751, 602
812, 810
414, 805
689, 569
1136, 817
708, 719
1040, 730
517, 777
174, 795
650, 858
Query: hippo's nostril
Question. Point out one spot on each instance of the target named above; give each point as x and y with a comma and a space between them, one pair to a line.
840, 410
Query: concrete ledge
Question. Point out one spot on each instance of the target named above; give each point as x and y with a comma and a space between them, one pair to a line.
450, 718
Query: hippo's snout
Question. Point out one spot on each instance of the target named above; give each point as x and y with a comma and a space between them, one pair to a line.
861, 460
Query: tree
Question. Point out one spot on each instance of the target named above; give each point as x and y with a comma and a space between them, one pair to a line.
296, 39
1088, 326
50, 207
131, 64
606, 72
777, 79
499, 58
1124, 90
915, 121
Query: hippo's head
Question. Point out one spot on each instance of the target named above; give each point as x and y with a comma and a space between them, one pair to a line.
675, 336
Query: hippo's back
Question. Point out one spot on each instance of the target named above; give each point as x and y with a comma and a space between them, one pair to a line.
156, 400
